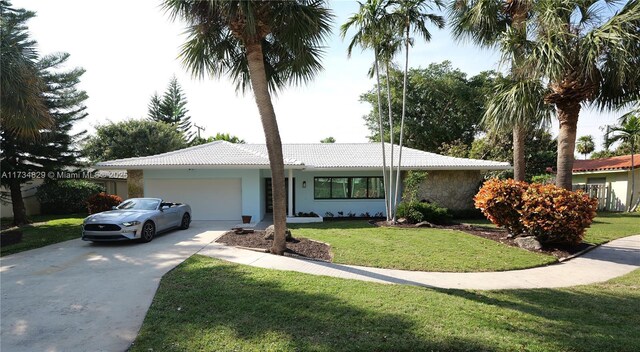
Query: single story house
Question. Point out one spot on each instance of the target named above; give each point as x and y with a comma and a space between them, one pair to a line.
223, 181
609, 179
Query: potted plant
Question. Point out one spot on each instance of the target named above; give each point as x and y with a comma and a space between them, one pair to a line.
246, 219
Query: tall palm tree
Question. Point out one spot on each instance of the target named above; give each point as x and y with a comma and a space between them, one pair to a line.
262, 44
411, 16
517, 101
370, 29
23, 110
590, 54
628, 130
585, 145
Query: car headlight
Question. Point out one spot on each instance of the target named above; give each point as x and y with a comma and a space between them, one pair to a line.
131, 223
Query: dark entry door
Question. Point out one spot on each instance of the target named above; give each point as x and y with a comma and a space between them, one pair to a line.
269, 195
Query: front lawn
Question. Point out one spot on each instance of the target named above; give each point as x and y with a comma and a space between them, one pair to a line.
609, 226
210, 305
425, 249
54, 229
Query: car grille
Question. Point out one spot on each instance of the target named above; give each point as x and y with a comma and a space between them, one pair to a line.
101, 227
107, 237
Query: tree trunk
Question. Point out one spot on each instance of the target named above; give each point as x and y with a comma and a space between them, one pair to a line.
568, 117
255, 62
404, 105
384, 157
391, 188
19, 211
631, 206
518, 152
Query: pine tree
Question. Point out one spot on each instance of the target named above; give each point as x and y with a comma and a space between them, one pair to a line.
171, 109
53, 148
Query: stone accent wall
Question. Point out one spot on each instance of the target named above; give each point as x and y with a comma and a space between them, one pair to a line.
135, 183
451, 189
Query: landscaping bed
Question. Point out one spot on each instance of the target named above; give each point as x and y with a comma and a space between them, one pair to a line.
302, 247
501, 235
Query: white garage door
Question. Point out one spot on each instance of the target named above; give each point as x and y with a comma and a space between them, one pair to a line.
210, 199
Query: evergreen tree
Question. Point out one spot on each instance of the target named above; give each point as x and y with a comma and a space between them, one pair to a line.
53, 148
171, 109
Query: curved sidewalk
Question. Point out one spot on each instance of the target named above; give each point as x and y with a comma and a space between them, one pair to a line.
608, 261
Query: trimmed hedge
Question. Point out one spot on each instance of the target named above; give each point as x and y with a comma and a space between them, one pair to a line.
416, 212
66, 196
552, 214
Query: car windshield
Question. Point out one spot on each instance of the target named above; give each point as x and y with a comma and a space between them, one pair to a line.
140, 204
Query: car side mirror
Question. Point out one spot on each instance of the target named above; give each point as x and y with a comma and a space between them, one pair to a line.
114, 208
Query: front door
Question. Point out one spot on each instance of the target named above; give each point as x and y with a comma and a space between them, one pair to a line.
269, 195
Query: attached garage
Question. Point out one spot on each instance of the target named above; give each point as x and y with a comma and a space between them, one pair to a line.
210, 199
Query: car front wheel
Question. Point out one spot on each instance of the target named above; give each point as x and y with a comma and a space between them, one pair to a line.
186, 220
148, 232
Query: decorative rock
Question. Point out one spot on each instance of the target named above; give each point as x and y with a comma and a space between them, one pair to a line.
528, 242
271, 230
423, 224
402, 221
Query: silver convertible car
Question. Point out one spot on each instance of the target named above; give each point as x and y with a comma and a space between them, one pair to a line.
136, 219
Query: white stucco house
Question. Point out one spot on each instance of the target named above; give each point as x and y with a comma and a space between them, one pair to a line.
223, 181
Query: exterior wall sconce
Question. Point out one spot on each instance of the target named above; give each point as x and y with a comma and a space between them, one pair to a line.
304, 184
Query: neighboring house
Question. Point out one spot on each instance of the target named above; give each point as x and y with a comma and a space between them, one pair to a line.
609, 179
223, 181
112, 181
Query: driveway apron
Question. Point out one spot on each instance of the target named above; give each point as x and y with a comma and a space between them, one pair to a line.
80, 296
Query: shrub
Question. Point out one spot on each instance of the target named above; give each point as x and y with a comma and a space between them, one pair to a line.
416, 212
555, 215
66, 196
500, 201
102, 202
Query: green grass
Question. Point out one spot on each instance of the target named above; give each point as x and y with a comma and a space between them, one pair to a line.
609, 226
425, 249
210, 305
55, 229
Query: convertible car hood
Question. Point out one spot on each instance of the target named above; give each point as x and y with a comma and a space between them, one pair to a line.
117, 215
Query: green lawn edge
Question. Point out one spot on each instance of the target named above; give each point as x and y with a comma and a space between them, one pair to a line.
207, 304
45, 231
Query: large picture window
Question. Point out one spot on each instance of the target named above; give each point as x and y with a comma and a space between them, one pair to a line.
348, 188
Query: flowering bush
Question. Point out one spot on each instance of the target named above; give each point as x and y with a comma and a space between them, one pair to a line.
500, 201
102, 202
556, 215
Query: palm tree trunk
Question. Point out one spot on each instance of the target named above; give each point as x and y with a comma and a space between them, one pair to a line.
255, 62
568, 117
384, 157
392, 214
518, 153
404, 105
631, 206
19, 210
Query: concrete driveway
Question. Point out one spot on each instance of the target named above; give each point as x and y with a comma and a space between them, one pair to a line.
80, 296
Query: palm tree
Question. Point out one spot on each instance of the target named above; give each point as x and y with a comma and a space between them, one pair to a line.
262, 44
411, 15
628, 130
588, 56
23, 110
517, 101
585, 145
370, 28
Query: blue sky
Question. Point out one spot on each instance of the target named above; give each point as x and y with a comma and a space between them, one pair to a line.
130, 49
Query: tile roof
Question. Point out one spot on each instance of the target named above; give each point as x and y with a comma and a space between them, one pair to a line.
615, 163
303, 156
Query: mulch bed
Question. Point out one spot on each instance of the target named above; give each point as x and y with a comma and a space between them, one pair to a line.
501, 235
302, 247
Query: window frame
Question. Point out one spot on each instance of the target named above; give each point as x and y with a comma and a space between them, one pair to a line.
349, 187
